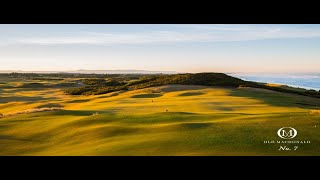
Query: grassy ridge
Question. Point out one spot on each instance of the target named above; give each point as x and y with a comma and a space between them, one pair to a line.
101, 86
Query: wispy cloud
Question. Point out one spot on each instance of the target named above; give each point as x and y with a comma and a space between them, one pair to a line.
184, 33
117, 38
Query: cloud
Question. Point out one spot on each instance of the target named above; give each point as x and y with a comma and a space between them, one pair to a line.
182, 33
116, 38
58, 40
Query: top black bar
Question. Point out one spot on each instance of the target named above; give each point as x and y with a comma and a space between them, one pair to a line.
157, 13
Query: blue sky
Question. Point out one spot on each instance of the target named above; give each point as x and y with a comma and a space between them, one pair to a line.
174, 47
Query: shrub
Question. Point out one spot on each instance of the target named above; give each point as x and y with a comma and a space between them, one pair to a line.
33, 85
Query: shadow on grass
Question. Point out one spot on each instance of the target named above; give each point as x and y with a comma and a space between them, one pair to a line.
178, 87
23, 99
77, 113
224, 108
79, 101
6, 137
195, 125
277, 98
110, 95
4, 86
191, 94
146, 96
15, 90
50, 105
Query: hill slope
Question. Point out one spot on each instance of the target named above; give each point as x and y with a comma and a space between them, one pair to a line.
162, 120
101, 86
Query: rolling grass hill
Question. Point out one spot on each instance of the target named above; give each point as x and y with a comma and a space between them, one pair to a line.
165, 120
103, 86
152, 118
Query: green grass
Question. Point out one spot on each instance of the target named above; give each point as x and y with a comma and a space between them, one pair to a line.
166, 120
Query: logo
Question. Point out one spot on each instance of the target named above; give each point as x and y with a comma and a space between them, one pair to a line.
287, 133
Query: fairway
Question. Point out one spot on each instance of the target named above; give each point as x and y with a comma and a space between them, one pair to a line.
163, 120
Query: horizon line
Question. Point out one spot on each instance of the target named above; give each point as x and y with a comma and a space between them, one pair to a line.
138, 71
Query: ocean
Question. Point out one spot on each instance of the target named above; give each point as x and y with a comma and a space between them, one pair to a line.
306, 81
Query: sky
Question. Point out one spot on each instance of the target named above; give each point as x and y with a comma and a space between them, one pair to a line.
245, 48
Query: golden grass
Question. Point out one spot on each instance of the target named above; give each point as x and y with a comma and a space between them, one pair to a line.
274, 85
184, 120
315, 112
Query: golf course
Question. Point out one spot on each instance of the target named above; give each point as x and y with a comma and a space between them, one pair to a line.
68, 116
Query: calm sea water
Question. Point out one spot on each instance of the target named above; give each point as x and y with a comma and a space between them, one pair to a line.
307, 81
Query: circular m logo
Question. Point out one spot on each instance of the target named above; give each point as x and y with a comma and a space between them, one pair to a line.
287, 133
